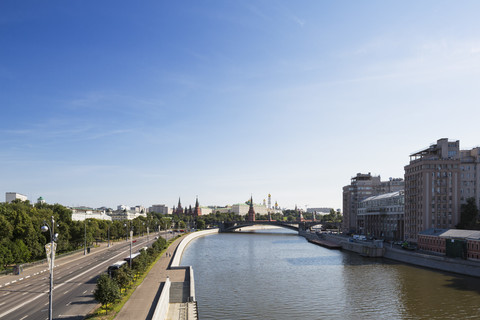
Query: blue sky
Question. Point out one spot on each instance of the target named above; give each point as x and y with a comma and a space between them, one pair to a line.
114, 102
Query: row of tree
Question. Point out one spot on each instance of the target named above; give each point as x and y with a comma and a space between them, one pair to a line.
22, 240
110, 289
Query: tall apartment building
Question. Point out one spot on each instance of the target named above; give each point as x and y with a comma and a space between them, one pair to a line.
438, 180
361, 187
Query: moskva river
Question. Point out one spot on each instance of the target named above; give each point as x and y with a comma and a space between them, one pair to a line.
275, 274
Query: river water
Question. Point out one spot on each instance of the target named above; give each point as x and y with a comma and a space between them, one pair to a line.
275, 274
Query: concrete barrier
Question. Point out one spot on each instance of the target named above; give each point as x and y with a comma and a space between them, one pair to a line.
161, 309
192, 285
456, 265
181, 247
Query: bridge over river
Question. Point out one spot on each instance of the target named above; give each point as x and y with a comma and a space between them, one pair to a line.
293, 225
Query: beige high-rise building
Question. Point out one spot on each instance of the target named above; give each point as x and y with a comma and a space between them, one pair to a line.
361, 187
438, 180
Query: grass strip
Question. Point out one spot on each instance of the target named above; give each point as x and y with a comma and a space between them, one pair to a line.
113, 309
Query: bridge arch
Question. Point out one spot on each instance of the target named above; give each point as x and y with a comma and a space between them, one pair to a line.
292, 225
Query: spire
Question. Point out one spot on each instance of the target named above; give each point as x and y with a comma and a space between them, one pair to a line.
251, 211
196, 211
179, 207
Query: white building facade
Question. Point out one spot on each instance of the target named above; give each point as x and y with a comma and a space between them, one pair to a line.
10, 196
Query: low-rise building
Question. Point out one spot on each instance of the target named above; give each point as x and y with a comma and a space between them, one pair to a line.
124, 212
10, 196
160, 208
451, 242
82, 213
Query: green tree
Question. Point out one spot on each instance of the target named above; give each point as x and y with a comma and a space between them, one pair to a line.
123, 277
181, 224
200, 224
142, 262
468, 214
20, 251
107, 291
6, 256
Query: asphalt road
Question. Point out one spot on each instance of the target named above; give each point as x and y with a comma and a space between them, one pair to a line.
74, 282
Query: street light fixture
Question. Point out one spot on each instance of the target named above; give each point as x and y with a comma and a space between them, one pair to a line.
85, 236
108, 234
50, 250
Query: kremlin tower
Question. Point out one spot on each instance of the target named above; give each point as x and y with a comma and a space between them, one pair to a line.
179, 209
251, 211
196, 211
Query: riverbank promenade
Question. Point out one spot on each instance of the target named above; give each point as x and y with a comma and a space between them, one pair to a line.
144, 299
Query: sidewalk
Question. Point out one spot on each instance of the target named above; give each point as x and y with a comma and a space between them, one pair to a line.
143, 301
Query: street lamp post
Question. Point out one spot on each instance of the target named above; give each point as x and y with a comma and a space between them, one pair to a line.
130, 260
53, 238
85, 237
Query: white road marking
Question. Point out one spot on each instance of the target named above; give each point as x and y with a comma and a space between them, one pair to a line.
23, 317
69, 280
85, 291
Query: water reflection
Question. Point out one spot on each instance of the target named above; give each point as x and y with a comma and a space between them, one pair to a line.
281, 276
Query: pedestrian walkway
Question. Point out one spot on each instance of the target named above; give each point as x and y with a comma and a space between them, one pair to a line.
142, 303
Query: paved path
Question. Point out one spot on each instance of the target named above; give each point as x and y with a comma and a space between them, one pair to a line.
142, 302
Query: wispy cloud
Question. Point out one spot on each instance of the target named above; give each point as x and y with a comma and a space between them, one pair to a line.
257, 12
297, 20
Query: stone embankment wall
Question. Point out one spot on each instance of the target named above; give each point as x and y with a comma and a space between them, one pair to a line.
162, 306
181, 247
456, 265
363, 248
161, 309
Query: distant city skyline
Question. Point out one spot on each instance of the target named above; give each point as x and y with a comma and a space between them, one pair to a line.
108, 103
